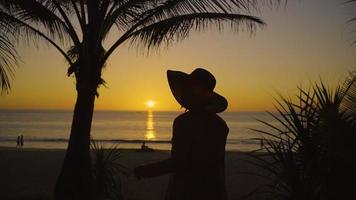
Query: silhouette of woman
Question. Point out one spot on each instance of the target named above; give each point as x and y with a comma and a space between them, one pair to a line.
197, 161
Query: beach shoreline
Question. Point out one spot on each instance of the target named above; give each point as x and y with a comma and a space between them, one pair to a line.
30, 173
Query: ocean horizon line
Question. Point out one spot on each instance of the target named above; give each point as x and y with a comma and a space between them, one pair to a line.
107, 110
134, 141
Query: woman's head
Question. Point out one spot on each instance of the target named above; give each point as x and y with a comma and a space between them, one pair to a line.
195, 91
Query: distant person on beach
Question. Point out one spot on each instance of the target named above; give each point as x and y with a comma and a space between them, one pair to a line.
18, 142
21, 140
144, 147
197, 161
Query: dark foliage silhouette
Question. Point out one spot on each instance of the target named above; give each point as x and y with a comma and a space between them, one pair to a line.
310, 154
107, 171
350, 98
352, 20
8, 53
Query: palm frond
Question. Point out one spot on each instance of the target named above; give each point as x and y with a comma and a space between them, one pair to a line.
178, 28
27, 33
124, 13
349, 87
146, 17
310, 148
40, 13
33, 27
352, 20
8, 55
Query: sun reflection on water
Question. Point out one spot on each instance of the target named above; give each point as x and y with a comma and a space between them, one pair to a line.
150, 129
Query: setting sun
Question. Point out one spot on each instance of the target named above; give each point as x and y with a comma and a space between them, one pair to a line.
150, 104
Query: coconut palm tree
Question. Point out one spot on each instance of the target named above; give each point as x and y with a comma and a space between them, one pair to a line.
77, 29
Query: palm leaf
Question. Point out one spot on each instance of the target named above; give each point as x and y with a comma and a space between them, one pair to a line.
349, 87
315, 148
8, 55
149, 17
32, 11
178, 28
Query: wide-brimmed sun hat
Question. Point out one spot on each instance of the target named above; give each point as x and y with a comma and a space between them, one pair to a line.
195, 91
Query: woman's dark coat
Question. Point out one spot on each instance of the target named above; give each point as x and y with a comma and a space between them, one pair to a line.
197, 159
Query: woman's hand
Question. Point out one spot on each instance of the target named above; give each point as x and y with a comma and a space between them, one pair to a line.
153, 169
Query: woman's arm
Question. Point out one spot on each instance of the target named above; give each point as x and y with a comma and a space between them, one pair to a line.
153, 169
179, 160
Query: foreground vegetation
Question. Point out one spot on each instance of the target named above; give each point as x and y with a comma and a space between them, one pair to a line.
310, 154
107, 172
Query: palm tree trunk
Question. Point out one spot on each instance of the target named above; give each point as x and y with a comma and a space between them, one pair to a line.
75, 178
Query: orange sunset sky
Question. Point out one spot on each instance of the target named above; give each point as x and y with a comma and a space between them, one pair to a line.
303, 42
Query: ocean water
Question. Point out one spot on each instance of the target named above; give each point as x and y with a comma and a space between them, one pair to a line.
50, 129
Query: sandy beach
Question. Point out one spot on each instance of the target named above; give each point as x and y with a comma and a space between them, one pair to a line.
31, 174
